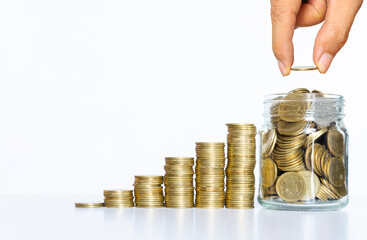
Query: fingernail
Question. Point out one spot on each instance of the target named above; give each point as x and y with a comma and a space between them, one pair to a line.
282, 68
324, 62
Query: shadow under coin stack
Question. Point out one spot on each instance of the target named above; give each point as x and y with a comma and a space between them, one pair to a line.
118, 198
148, 191
210, 175
178, 182
241, 154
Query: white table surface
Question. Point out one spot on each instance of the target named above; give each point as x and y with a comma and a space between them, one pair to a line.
55, 217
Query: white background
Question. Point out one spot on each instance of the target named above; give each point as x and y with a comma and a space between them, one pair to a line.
95, 92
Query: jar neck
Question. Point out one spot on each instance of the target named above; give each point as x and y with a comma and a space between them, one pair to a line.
317, 107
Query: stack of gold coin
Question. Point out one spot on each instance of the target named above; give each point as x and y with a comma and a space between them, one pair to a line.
269, 175
118, 198
148, 191
241, 154
302, 159
325, 158
178, 182
329, 192
288, 152
209, 171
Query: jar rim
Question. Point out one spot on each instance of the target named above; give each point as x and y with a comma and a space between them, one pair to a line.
309, 97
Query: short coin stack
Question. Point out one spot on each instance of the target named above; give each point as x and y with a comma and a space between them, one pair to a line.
241, 163
210, 175
148, 191
118, 198
178, 182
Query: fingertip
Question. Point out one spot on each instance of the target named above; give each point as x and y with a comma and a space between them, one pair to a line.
284, 69
324, 62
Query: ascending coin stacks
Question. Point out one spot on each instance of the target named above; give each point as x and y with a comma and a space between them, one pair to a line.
178, 182
210, 162
209, 181
241, 154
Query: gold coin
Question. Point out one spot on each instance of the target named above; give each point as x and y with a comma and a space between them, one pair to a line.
179, 205
325, 158
291, 128
89, 204
269, 140
119, 205
291, 186
147, 177
118, 196
341, 191
336, 172
293, 107
149, 206
269, 172
118, 200
241, 126
335, 142
300, 90
314, 136
204, 206
239, 206
213, 145
308, 154
312, 185
327, 190
118, 191
316, 91
179, 159
304, 68
316, 159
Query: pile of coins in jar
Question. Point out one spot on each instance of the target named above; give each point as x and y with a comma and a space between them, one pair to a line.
302, 158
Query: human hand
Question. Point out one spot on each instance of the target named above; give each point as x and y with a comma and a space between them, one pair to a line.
287, 15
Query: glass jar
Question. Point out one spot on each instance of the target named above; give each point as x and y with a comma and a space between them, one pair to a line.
304, 152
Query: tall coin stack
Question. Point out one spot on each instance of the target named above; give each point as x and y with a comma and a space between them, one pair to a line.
118, 198
148, 191
178, 182
209, 170
241, 154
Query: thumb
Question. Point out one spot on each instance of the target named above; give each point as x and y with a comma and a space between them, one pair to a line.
334, 32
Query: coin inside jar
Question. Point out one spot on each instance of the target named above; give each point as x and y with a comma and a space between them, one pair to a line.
269, 172
291, 128
336, 172
312, 185
269, 140
314, 136
293, 107
291, 186
300, 90
335, 141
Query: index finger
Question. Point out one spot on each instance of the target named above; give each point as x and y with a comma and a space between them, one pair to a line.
283, 17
